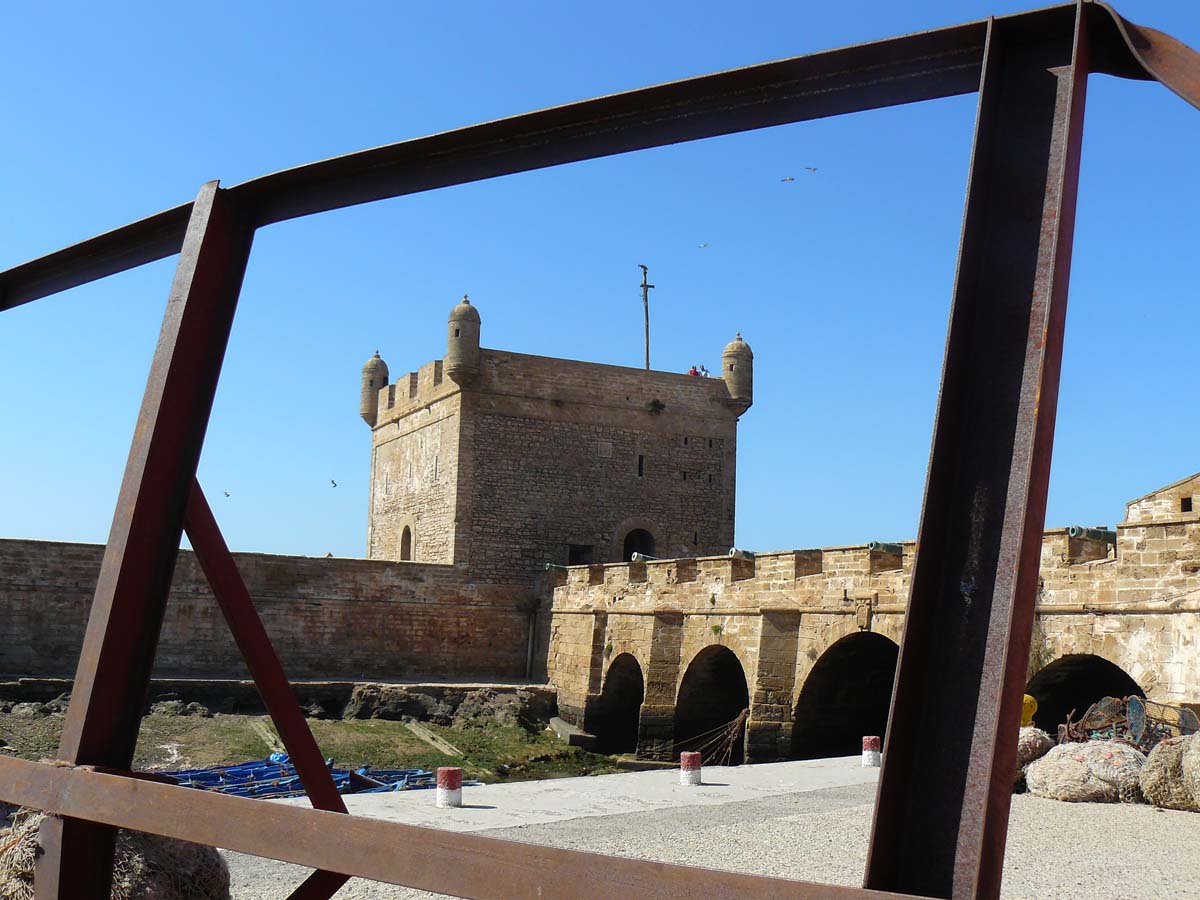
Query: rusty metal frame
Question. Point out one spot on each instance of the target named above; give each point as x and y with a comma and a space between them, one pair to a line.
941, 817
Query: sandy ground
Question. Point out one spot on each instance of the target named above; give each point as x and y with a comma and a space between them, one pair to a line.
800, 820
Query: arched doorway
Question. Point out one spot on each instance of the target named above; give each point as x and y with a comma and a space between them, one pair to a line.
1075, 682
638, 541
713, 694
616, 725
406, 543
846, 696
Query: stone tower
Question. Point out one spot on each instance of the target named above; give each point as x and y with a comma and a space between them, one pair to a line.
462, 343
501, 462
374, 379
737, 368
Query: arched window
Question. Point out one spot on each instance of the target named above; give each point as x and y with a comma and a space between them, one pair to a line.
406, 543
638, 541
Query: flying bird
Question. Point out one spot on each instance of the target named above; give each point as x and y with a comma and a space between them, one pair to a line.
227, 493
789, 178
334, 483
702, 246
810, 168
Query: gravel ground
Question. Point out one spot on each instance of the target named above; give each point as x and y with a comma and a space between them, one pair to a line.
1055, 850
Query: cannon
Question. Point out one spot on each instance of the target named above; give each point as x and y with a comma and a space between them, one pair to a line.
1099, 533
885, 547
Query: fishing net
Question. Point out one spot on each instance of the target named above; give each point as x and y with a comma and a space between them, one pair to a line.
1033, 743
1163, 780
145, 867
1098, 772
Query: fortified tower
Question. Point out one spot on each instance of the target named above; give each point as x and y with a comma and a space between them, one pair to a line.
502, 462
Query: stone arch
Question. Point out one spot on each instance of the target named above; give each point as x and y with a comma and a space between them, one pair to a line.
846, 695
628, 527
616, 720
713, 693
406, 543
1073, 683
639, 540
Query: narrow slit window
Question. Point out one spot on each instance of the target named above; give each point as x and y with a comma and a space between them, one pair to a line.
641, 465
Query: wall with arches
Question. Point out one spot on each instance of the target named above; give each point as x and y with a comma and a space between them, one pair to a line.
1133, 601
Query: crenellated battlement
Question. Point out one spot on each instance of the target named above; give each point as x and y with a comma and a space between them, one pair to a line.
522, 381
1147, 560
413, 391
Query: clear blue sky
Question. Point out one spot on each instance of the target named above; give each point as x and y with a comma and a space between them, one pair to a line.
840, 280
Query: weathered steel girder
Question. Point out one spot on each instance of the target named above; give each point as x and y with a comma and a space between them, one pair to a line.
942, 810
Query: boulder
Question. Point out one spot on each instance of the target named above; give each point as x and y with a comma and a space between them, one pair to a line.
538, 706
1163, 780
396, 702
168, 708
28, 710
1096, 771
315, 710
58, 704
486, 705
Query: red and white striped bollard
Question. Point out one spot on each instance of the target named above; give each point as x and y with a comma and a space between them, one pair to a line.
872, 758
449, 787
689, 768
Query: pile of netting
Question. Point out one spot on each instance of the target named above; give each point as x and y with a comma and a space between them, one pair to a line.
1127, 750
146, 866
1132, 720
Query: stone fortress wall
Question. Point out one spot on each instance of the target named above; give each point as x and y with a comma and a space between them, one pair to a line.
329, 619
1134, 602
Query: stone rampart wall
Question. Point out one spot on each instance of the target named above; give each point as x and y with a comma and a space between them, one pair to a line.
328, 618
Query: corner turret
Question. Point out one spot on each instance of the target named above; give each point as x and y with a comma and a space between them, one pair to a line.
737, 368
374, 379
462, 343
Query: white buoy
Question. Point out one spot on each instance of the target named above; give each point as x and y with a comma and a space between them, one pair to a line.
449, 787
872, 758
689, 768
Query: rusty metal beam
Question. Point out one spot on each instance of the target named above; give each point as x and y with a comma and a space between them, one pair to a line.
269, 678
946, 785
462, 865
118, 651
